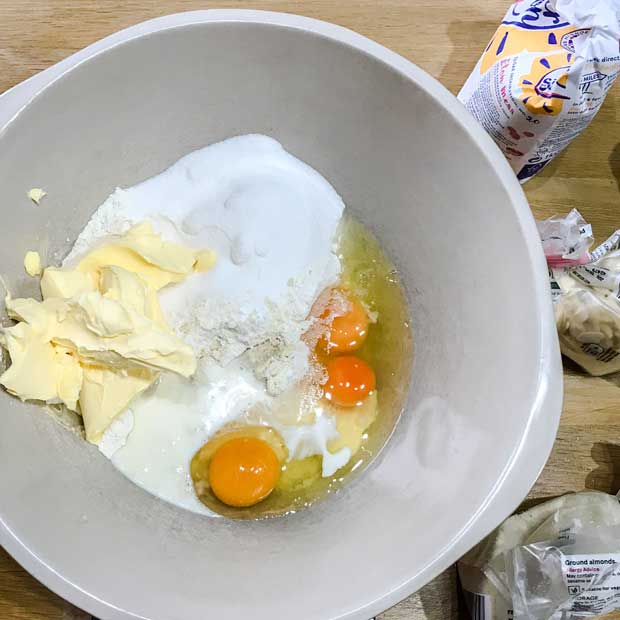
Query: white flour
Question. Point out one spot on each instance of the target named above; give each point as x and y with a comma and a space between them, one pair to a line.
272, 220
111, 218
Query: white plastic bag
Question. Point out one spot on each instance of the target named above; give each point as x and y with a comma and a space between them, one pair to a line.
544, 76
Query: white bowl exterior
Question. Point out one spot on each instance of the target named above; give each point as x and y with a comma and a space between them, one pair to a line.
412, 164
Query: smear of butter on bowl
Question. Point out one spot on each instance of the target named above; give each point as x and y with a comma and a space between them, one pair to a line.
32, 264
36, 194
98, 338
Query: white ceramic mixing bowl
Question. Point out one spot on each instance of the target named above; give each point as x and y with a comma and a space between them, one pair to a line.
409, 162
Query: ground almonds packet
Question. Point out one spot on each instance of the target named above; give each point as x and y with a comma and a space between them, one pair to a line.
559, 560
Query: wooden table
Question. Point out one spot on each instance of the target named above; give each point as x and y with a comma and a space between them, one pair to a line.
445, 38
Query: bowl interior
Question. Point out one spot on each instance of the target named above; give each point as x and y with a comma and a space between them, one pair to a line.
408, 169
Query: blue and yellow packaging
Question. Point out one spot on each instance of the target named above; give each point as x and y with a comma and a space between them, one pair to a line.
543, 77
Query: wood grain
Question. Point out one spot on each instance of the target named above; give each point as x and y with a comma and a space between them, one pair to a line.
22, 597
445, 38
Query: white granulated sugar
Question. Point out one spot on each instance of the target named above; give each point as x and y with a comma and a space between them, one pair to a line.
273, 222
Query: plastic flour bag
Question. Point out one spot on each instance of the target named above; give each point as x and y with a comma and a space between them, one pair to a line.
544, 76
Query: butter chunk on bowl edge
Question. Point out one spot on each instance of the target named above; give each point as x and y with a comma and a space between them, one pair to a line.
485, 391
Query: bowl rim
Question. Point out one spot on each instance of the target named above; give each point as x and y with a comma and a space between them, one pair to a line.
531, 453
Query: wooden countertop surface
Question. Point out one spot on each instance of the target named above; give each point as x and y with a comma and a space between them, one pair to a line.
445, 38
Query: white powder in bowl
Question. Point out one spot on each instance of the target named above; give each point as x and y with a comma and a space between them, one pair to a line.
272, 220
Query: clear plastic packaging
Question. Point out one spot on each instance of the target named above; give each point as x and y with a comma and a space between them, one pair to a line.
557, 561
566, 240
585, 288
543, 77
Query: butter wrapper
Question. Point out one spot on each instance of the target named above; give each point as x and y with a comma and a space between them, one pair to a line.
543, 77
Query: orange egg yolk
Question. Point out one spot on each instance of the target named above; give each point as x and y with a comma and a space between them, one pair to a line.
347, 332
349, 381
243, 471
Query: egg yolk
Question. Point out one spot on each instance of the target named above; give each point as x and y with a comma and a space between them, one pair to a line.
349, 381
348, 331
243, 471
